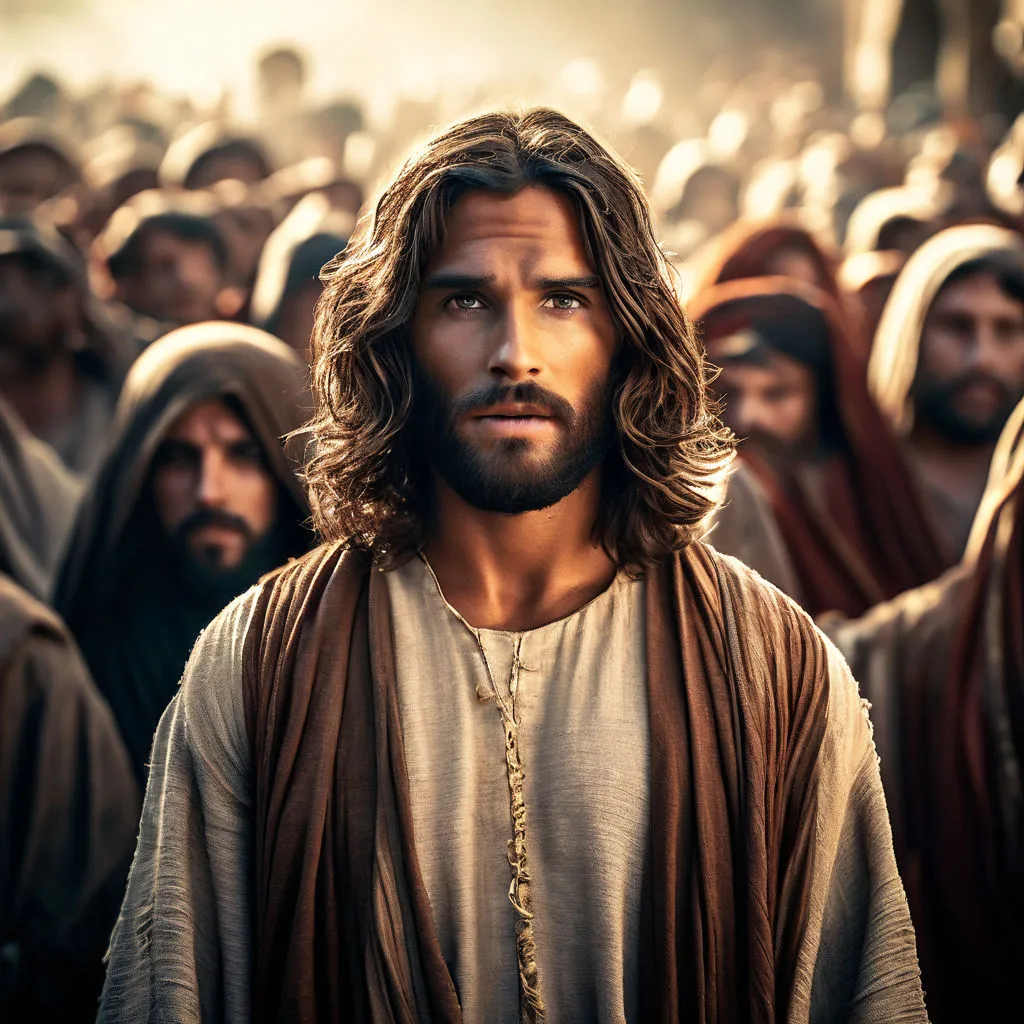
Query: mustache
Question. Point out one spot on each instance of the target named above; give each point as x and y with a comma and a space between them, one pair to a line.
527, 393
955, 385
204, 517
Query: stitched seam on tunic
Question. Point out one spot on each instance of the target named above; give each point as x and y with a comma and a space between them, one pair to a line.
532, 1009
531, 1001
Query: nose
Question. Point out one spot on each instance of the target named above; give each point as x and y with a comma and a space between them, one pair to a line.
212, 490
189, 271
517, 353
747, 415
983, 351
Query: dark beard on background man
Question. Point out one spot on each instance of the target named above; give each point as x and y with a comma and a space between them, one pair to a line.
502, 479
204, 579
934, 406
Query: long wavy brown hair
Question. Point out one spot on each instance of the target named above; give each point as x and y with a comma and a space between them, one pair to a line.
662, 479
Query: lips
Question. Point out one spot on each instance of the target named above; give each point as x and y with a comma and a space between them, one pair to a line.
514, 419
514, 411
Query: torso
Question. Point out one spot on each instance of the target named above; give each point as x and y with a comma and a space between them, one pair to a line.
583, 738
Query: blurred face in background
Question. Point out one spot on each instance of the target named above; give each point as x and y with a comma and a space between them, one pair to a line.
971, 368
30, 176
770, 401
213, 492
41, 319
174, 279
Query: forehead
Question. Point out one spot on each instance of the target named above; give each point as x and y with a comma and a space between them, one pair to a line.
209, 421
157, 239
771, 367
532, 225
980, 293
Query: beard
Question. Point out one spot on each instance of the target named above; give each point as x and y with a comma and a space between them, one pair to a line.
514, 475
935, 406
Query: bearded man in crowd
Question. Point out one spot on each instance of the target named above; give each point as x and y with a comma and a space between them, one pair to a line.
854, 524
947, 365
195, 500
513, 744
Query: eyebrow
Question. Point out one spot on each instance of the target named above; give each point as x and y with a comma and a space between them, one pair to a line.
587, 281
443, 279
453, 280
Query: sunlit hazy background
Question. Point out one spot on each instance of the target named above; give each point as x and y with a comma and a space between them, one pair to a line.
673, 83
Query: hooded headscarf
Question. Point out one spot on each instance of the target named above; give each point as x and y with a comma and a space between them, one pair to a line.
134, 608
295, 253
869, 537
746, 251
944, 669
897, 345
188, 154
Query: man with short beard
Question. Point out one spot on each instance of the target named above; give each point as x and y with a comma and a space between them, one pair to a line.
513, 744
195, 500
852, 518
948, 364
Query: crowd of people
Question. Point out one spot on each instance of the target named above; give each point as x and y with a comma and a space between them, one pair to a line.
166, 373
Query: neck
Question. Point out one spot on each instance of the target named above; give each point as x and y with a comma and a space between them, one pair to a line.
964, 465
518, 571
45, 402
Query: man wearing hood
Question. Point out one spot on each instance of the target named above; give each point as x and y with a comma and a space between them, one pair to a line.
943, 668
195, 500
947, 365
62, 359
793, 388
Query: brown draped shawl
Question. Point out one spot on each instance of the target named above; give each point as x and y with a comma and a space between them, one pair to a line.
734, 754
944, 669
69, 811
871, 538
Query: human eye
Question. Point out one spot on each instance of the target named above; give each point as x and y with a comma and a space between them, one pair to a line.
463, 303
563, 301
1009, 331
246, 453
176, 454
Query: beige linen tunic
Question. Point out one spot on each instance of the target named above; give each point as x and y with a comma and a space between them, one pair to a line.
182, 947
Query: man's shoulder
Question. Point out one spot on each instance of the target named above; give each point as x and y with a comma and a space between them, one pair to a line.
749, 592
768, 628
327, 558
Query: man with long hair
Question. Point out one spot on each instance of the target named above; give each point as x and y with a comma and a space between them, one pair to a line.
513, 743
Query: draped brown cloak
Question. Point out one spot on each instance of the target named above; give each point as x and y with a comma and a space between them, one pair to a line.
870, 537
342, 927
69, 811
944, 669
